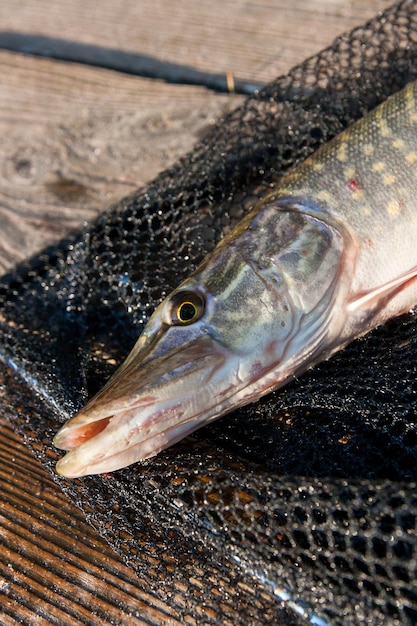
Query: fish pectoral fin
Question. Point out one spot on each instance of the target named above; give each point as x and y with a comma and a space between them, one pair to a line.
375, 300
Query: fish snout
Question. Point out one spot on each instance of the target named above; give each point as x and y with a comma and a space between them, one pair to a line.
139, 413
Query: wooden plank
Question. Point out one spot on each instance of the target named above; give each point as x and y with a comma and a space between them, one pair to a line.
75, 139
251, 39
53, 565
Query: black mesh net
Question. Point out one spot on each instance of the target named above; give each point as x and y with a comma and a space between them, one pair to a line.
302, 506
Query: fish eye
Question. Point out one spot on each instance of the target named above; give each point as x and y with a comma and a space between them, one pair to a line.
186, 308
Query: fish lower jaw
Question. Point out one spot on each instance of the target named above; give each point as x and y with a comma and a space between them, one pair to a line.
96, 456
140, 432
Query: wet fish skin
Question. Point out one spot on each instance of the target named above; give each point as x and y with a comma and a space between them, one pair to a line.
321, 260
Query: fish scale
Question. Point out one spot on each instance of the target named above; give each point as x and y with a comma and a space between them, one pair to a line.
321, 260
367, 177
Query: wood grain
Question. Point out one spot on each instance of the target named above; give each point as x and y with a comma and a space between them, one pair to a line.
75, 139
46, 546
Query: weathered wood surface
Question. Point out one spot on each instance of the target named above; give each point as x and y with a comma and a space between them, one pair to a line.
74, 139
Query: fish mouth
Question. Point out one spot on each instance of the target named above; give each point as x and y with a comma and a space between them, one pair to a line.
148, 405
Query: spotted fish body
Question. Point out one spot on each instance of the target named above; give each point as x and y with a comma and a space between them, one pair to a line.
324, 258
367, 180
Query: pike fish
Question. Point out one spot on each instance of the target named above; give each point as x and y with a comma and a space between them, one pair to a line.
325, 257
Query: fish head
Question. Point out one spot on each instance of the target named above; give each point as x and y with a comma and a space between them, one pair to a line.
228, 334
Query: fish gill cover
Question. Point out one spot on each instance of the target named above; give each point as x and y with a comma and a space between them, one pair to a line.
307, 496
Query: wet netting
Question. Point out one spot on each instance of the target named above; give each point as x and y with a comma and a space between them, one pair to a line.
300, 508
